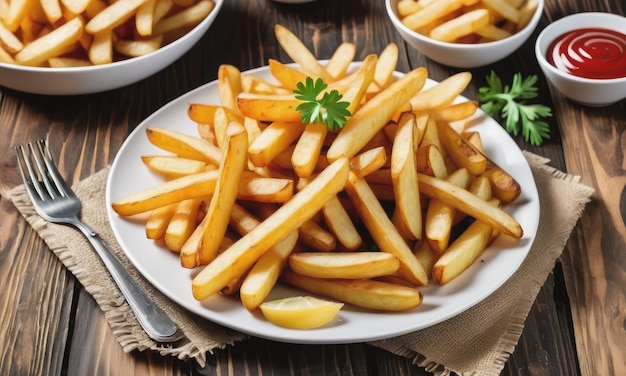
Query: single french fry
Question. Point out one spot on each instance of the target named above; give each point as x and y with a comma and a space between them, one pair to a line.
144, 18
76, 6
355, 93
157, 222
339, 62
441, 94
425, 256
263, 276
229, 85
382, 229
184, 145
288, 77
369, 161
185, 18
429, 161
248, 249
258, 85
526, 13
460, 151
365, 293
182, 224
491, 32
202, 113
387, 61
348, 265
408, 7
51, 44
374, 114
275, 138
431, 136
466, 24
202, 185
468, 203
504, 186
221, 120
16, 11
173, 166
101, 48
8, 41
135, 48
454, 112
52, 9
161, 9
299, 53
431, 12
170, 192
230, 173
407, 215
114, 15
269, 108
308, 149
316, 237
505, 9
340, 224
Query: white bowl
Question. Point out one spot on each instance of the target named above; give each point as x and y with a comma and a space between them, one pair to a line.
463, 55
92, 79
586, 91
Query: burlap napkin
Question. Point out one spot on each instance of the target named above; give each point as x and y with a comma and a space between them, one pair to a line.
490, 330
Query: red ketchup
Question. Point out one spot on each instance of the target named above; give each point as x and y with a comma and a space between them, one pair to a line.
590, 53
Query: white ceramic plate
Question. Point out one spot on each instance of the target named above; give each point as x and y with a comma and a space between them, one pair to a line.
161, 267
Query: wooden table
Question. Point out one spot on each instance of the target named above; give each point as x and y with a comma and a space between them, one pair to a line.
50, 325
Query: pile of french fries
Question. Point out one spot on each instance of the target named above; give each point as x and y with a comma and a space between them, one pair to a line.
466, 21
365, 215
69, 33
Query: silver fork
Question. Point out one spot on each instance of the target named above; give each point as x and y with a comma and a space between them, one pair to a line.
55, 201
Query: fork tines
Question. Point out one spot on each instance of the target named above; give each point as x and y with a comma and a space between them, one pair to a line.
39, 171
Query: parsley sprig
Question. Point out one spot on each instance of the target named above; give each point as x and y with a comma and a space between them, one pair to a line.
510, 104
328, 110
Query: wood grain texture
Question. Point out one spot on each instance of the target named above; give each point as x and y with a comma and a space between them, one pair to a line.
594, 268
49, 325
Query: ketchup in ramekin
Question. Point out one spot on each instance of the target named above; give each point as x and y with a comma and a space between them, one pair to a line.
595, 53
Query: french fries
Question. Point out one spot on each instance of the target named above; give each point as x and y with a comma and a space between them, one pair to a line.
466, 21
66, 33
366, 214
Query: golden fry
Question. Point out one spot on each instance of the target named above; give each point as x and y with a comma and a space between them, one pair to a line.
348, 265
365, 293
230, 173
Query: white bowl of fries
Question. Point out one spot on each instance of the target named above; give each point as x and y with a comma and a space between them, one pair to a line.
98, 51
465, 36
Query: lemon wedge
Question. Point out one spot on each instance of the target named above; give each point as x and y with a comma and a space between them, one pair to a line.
300, 312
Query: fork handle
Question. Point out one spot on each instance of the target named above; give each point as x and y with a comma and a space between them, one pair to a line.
152, 319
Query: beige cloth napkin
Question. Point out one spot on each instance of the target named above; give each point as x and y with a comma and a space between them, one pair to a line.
490, 330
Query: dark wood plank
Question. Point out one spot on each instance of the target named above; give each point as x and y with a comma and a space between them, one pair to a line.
34, 309
593, 262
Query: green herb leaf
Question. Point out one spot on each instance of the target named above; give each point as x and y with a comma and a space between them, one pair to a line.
509, 103
329, 109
